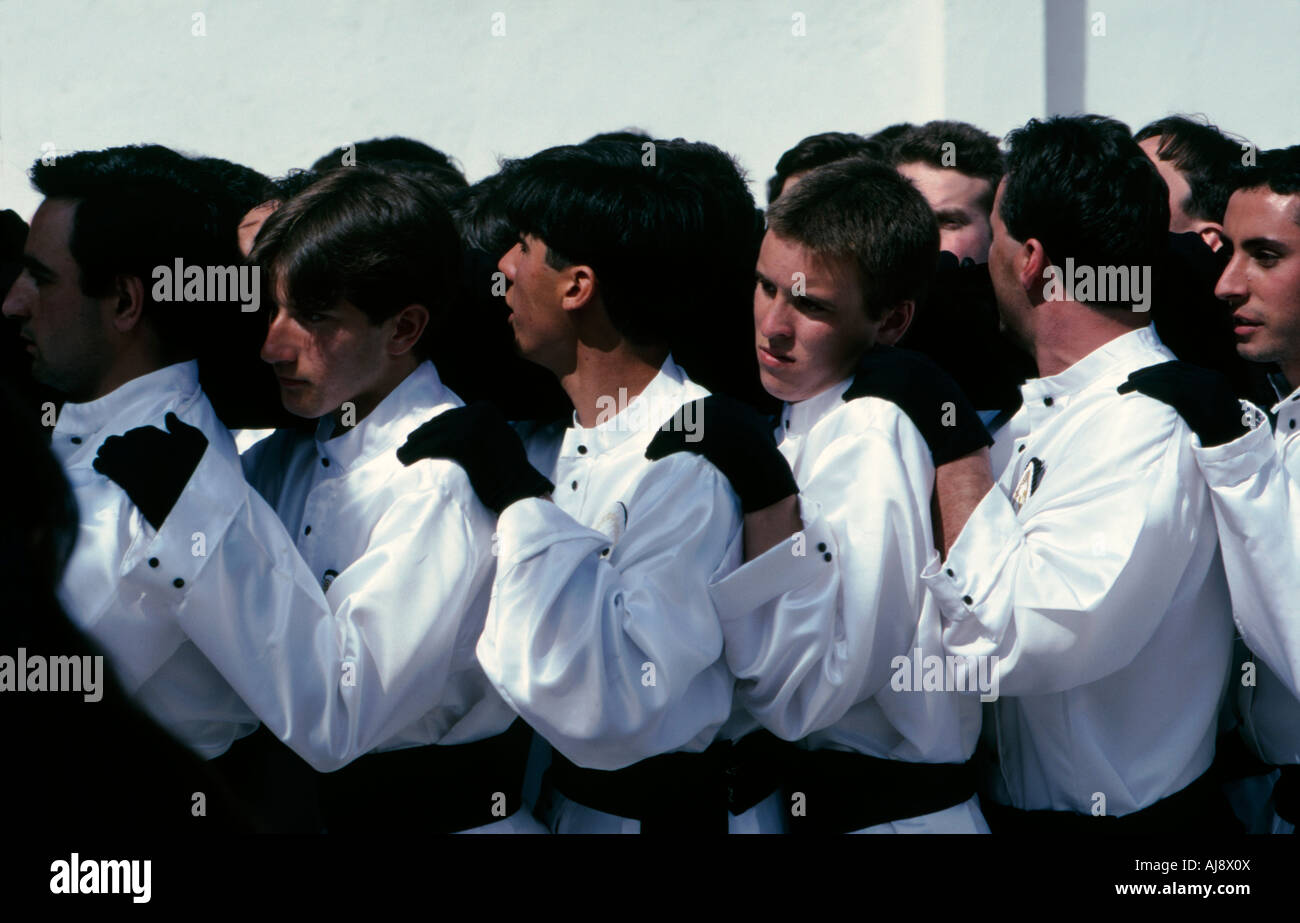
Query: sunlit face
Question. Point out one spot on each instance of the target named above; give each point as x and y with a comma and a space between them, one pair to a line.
325, 356
1179, 189
810, 329
956, 200
66, 332
1261, 282
534, 296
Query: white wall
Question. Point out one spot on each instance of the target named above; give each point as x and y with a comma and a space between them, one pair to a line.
277, 84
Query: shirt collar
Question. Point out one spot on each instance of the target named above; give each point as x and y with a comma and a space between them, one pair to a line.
386, 427
1290, 402
1127, 353
799, 418
1278, 383
134, 403
656, 403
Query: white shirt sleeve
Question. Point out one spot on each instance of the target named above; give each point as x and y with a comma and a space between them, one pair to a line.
332, 674
616, 658
1073, 588
810, 637
1257, 510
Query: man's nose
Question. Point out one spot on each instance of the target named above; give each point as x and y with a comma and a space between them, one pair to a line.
22, 294
1231, 286
279, 345
776, 321
510, 262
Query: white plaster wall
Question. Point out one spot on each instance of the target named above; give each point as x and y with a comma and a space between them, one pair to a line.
277, 84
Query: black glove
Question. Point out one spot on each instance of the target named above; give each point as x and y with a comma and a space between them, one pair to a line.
1202, 397
153, 466
735, 439
480, 440
929, 396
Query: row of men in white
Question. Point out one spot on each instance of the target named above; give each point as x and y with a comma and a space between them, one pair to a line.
659, 594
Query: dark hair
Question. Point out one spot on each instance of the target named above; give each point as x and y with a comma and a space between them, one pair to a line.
381, 241
242, 187
817, 151
292, 183
1082, 187
866, 212
480, 213
630, 135
1205, 157
1277, 169
973, 152
888, 136
638, 224
141, 207
714, 342
404, 154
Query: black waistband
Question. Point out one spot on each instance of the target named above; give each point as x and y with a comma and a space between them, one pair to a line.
1286, 796
681, 792
435, 789
845, 791
1200, 808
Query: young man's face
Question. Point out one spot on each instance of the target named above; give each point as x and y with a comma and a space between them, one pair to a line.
67, 332
956, 200
325, 357
534, 295
1261, 282
807, 342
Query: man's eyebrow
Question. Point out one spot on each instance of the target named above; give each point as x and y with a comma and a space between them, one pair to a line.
760, 276
952, 214
1254, 243
36, 267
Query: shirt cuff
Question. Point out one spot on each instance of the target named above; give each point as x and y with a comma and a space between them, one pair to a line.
788, 565
977, 559
196, 524
528, 527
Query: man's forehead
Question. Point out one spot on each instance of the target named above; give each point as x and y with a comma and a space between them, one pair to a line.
50, 235
823, 273
1262, 212
54, 217
945, 188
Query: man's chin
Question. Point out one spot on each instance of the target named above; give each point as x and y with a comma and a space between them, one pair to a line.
298, 405
779, 388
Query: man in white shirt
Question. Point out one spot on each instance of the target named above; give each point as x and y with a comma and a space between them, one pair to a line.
1255, 478
1090, 570
601, 633
351, 634
847, 254
99, 333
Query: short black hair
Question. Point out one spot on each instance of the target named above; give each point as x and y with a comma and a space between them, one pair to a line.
817, 151
890, 134
404, 154
1082, 187
952, 145
380, 240
1278, 170
869, 213
141, 207
638, 223
244, 187
294, 182
1204, 155
629, 135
